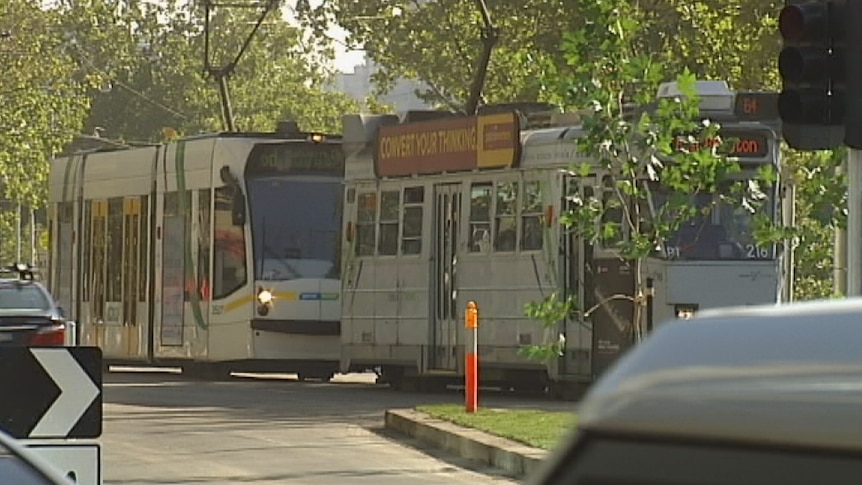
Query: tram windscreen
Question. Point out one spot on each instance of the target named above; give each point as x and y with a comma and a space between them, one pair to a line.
295, 227
723, 232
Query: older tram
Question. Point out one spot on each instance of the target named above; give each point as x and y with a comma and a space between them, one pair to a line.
444, 211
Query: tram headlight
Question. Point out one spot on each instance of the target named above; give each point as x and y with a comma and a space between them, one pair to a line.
264, 297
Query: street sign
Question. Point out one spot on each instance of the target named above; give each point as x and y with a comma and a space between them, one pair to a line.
81, 463
51, 392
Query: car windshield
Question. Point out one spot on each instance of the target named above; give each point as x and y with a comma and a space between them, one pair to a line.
17, 296
295, 223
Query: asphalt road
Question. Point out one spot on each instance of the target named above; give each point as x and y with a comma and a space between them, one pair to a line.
162, 428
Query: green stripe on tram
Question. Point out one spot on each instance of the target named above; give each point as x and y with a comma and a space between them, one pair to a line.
68, 173
180, 162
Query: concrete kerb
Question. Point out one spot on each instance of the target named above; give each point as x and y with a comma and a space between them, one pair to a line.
475, 445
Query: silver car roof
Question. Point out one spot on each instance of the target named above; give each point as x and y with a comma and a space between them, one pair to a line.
47, 469
789, 374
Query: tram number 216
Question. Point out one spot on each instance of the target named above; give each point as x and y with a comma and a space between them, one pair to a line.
751, 251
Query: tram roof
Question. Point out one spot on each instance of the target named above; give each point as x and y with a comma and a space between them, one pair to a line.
117, 146
748, 374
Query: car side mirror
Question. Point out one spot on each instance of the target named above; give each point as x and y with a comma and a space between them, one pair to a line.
61, 311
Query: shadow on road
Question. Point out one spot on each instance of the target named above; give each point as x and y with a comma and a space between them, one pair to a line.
248, 399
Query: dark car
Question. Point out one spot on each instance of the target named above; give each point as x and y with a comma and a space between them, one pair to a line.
745, 396
29, 316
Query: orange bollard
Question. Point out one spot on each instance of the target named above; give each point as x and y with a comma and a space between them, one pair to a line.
471, 371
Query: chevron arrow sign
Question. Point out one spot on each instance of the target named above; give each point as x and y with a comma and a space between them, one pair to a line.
51, 392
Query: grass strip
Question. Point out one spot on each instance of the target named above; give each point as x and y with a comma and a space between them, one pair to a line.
533, 427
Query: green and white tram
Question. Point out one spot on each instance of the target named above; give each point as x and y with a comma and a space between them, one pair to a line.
217, 253
444, 211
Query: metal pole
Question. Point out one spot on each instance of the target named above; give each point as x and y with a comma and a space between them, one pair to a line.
33, 237
18, 234
839, 257
471, 368
854, 222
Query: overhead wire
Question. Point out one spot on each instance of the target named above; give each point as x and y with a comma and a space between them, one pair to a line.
85, 59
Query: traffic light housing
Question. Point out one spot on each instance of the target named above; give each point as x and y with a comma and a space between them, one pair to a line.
853, 74
812, 65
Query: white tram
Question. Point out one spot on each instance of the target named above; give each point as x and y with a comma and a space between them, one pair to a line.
444, 211
217, 253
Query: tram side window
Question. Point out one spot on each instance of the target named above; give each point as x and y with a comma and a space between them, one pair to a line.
531, 217
411, 239
229, 264
99, 209
143, 255
612, 218
366, 216
115, 250
506, 220
480, 217
390, 202
64, 221
86, 246
203, 265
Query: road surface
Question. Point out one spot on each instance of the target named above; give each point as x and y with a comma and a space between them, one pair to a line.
162, 428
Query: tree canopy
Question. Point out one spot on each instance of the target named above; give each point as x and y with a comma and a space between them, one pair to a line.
150, 58
439, 42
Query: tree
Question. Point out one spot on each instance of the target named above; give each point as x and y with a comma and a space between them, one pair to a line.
41, 105
439, 43
821, 209
151, 58
636, 154
415, 40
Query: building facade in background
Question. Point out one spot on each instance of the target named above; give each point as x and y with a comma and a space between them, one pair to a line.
358, 85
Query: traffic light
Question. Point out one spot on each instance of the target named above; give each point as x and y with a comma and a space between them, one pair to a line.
853, 74
812, 68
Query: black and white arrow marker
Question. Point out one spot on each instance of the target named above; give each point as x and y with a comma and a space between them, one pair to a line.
77, 392
51, 392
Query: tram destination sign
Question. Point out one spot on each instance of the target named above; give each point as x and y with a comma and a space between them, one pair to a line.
296, 158
448, 145
733, 142
51, 392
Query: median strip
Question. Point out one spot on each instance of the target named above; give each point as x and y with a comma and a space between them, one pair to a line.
532, 427
512, 440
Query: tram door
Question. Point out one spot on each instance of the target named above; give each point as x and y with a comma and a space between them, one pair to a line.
608, 275
576, 251
445, 312
131, 269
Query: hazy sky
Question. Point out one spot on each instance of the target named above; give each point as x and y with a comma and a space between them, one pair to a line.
344, 59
